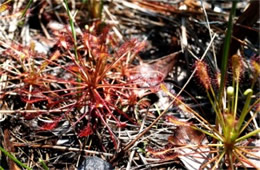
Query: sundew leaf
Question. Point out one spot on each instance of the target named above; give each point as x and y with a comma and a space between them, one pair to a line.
132, 45
50, 126
86, 131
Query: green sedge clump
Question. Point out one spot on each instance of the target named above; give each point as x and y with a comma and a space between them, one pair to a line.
230, 145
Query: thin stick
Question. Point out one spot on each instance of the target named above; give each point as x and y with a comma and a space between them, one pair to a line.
61, 148
210, 34
162, 114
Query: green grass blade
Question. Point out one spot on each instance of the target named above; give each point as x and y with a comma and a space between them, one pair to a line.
72, 28
43, 164
26, 8
14, 158
248, 135
224, 60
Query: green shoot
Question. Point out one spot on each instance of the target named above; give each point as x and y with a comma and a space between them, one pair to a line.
71, 21
14, 158
26, 8
224, 59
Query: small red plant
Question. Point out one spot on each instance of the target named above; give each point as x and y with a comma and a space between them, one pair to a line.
93, 86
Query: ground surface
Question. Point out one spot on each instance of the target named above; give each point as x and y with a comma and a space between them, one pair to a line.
59, 105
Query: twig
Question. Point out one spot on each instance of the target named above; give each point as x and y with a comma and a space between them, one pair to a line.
210, 34
129, 145
61, 148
